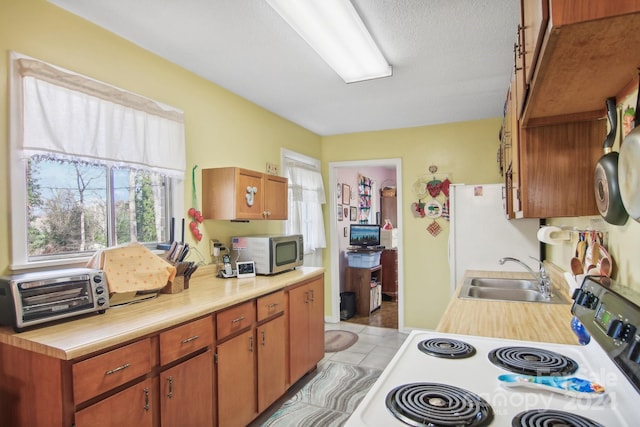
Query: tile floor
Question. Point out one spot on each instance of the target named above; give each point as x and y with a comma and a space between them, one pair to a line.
374, 349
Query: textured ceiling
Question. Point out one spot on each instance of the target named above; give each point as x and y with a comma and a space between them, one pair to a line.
452, 59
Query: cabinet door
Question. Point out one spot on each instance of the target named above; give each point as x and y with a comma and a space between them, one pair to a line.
249, 204
316, 322
275, 197
130, 407
271, 362
186, 393
298, 332
236, 374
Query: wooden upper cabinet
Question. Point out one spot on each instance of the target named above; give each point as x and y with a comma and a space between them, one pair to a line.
587, 55
556, 169
240, 194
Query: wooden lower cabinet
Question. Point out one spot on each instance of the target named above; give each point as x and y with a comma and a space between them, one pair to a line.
306, 327
186, 393
262, 346
271, 356
237, 404
130, 407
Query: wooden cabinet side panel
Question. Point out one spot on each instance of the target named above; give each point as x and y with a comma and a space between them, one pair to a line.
186, 392
389, 209
271, 362
389, 261
218, 193
557, 169
236, 375
32, 389
130, 407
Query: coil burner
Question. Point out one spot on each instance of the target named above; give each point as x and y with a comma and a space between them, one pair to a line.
532, 361
550, 417
446, 347
434, 404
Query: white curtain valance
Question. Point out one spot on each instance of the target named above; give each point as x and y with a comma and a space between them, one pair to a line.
67, 114
307, 196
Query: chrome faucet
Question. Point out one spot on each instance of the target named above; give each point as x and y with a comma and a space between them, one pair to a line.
544, 282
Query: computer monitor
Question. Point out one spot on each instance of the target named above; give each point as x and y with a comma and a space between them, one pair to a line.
364, 235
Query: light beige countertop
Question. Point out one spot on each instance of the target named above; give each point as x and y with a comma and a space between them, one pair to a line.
76, 337
529, 321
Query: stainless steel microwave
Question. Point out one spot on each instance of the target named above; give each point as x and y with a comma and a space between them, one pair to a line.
271, 254
32, 298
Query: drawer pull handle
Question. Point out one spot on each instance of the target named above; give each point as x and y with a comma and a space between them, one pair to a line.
272, 306
118, 369
170, 381
193, 338
146, 399
263, 338
251, 344
238, 319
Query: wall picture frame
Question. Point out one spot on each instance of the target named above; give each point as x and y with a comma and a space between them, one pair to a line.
340, 215
346, 194
353, 215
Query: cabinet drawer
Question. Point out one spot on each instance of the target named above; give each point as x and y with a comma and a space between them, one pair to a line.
106, 371
182, 340
269, 305
235, 319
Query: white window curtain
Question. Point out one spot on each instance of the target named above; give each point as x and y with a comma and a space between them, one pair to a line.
67, 114
306, 197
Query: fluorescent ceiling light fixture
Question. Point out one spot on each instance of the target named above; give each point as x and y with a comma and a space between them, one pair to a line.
335, 31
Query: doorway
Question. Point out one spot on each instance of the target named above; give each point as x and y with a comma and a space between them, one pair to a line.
338, 229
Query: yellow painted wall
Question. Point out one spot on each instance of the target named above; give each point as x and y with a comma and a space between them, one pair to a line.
222, 129
467, 152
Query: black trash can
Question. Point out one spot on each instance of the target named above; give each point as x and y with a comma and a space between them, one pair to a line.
347, 305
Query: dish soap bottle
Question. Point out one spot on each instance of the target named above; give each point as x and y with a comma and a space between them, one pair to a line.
387, 225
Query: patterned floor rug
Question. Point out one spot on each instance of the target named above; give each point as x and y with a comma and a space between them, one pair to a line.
328, 399
338, 340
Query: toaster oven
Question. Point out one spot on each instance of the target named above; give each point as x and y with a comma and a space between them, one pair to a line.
32, 298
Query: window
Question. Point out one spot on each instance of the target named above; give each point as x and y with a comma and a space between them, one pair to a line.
92, 166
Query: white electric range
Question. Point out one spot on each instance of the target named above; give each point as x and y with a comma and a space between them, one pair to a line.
438, 379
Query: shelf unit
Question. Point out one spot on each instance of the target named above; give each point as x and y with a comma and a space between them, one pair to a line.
359, 281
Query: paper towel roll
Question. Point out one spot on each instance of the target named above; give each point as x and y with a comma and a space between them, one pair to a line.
553, 235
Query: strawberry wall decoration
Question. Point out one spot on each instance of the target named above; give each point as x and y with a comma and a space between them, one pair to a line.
433, 199
194, 214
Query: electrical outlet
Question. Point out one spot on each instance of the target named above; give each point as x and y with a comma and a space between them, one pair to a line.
272, 168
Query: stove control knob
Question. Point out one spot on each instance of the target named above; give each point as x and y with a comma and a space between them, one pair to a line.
634, 352
585, 298
618, 330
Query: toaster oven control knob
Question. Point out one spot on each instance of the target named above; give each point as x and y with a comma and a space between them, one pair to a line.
100, 290
97, 279
618, 330
102, 301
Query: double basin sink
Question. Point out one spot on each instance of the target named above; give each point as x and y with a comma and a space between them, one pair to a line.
503, 289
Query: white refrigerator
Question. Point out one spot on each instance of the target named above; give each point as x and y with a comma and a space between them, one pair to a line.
480, 234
